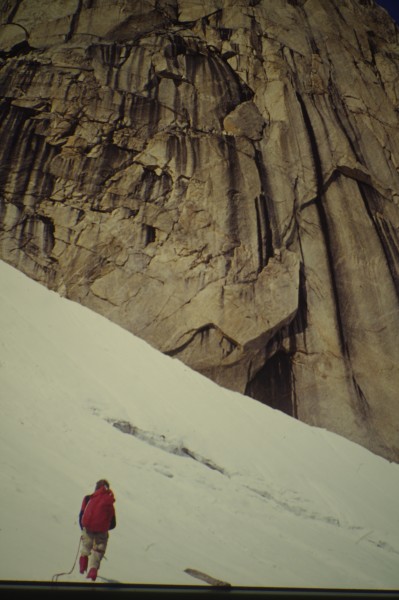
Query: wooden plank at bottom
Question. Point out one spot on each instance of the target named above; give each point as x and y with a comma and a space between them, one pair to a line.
206, 578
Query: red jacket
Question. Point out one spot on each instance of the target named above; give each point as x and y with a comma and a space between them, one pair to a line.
98, 513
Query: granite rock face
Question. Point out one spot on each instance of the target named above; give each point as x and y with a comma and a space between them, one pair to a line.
219, 177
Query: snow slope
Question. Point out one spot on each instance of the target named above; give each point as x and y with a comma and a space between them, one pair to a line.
206, 478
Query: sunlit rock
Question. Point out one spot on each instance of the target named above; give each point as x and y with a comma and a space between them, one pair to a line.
221, 179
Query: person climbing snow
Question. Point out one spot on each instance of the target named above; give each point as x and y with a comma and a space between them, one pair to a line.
96, 519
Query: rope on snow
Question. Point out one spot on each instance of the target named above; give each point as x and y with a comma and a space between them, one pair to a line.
55, 577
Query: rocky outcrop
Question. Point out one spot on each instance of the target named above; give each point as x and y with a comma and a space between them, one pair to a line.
220, 178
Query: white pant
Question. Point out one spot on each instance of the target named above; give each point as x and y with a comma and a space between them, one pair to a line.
94, 546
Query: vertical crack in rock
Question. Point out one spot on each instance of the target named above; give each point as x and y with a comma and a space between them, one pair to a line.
74, 21
268, 231
324, 220
362, 402
386, 233
265, 244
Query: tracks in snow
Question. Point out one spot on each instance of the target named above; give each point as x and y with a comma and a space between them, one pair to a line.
161, 442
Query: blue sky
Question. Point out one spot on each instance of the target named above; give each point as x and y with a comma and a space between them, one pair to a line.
392, 6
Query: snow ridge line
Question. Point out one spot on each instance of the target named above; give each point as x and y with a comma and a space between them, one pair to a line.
161, 442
